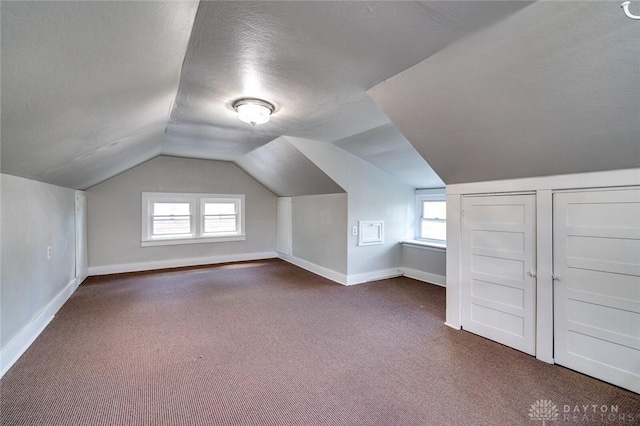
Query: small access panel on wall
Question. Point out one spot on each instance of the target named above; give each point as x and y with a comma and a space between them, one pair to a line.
371, 232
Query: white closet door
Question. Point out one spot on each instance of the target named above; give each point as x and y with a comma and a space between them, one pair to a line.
597, 286
498, 269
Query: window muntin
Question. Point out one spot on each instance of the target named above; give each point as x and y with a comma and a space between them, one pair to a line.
180, 218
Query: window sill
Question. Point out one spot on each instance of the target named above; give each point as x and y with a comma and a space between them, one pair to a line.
423, 245
201, 240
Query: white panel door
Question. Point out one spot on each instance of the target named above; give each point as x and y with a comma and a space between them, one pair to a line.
283, 225
498, 269
597, 284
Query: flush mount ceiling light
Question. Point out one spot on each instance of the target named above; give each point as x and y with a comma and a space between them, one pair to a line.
253, 111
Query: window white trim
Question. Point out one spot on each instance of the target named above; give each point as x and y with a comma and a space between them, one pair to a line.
422, 245
196, 202
148, 200
437, 194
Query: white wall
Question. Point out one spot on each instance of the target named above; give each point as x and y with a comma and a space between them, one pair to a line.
34, 216
115, 210
372, 195
319, 240
424, 263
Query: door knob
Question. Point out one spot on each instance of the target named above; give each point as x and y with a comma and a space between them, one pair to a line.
532, 273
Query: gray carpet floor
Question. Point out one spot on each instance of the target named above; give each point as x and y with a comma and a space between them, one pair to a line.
267, 343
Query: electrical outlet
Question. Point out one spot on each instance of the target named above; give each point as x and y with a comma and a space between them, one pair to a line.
354, 230
49, 252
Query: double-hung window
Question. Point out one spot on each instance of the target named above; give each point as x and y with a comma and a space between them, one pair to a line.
177, 218
431, 211
220, 216
171, 218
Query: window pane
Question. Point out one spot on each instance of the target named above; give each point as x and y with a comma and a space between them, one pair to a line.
171, 209
171, 225
434, 210
219, 208
433, 230
216, 224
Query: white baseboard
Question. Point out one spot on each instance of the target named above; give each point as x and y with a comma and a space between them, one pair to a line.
425, 276
373, 276
338, 277
19, 344
177, 263
316, 269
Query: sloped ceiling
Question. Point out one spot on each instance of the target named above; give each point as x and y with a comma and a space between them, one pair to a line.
312, 60
552, 89
87, 87
90, 89
386, 148
285, 171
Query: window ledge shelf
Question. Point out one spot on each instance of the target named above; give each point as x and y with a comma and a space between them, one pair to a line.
423, 245
202, 240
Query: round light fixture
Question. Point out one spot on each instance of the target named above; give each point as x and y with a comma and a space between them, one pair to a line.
253, 111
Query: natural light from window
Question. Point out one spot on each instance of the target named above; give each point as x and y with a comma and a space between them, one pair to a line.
171, 219
431, 218
182, 218
220, 218
433, 224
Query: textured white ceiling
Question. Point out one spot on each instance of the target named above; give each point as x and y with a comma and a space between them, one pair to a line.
553, 89
313, 60
87, 87
90, 89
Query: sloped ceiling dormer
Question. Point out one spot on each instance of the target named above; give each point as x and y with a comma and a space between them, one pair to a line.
285, 171
553, 89
386, 148
87, 87
90, 89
